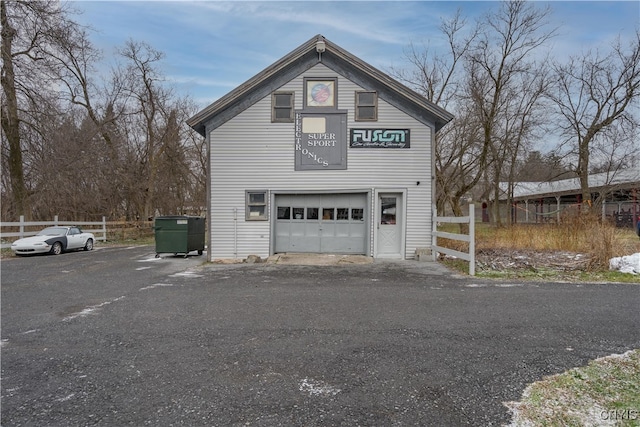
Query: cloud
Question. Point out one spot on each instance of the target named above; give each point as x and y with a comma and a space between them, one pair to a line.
213, 46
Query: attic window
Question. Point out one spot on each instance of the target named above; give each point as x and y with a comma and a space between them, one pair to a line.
282, 107
366, 106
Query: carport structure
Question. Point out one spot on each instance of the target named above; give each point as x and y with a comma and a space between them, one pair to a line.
618, 193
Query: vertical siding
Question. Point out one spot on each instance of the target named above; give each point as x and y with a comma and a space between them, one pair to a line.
251, 153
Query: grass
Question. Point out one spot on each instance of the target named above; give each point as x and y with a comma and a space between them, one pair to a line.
605, 392
599, 241
586, 234
551, 275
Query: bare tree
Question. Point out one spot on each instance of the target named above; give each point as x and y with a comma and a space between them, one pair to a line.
523, 115
31, 41
149, 106
594, 94
123, 144
185, 155
437, 76
195, 149
458, 161
160, 146
502, 65
492, 79
18, 50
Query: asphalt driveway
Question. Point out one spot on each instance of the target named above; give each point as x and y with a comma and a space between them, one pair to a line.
114, 337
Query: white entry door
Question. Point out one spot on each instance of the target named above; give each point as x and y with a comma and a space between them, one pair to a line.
389, 225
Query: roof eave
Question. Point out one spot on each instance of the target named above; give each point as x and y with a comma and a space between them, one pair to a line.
199, 121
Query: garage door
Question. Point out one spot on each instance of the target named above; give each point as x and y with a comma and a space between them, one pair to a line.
321, 223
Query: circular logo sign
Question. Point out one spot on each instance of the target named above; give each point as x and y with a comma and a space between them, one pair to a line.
320, 93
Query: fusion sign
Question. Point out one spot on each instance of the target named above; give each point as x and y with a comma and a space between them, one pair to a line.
380, 138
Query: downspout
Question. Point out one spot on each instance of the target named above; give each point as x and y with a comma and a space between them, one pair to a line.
434, 207
235, 233
208, 198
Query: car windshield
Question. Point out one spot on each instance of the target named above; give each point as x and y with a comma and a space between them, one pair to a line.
53, 231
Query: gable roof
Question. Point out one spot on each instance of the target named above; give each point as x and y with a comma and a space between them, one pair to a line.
302, 59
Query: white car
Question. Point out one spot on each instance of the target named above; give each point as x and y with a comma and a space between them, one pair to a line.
54, 240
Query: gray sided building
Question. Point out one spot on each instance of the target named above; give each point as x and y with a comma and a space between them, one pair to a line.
320, 153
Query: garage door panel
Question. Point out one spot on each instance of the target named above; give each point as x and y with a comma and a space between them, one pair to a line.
297, 228
303, 244
343, 230
282, 244
329, 223
312, 229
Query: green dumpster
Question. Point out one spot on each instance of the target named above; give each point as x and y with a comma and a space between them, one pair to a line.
179, 234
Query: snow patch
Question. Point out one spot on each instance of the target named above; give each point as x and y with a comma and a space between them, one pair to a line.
90, 310
318, 388
64, 399
626, 264
155, 285
186, 274
150, 259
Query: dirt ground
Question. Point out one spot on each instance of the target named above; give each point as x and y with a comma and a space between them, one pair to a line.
529, 260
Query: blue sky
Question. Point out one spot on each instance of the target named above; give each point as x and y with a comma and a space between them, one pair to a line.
211, 47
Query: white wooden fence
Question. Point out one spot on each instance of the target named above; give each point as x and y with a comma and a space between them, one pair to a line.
22, 224
470, 238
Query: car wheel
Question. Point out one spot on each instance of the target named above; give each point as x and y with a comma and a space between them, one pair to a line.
56, 249
89, 245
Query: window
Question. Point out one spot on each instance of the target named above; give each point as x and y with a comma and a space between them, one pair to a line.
357, 214
312, 213
320, 93
387, 210
284, 212
343, 214
298, 213
256, 209
366, 106
282, 107
327, 213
